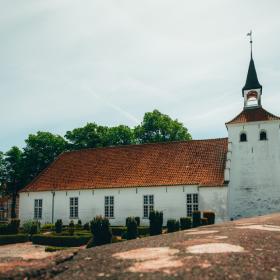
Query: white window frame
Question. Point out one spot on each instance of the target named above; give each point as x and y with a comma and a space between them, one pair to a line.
192, 203
38, 208
109, 206
74, 207
148, 205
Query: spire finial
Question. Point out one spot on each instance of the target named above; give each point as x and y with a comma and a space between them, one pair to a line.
251, 42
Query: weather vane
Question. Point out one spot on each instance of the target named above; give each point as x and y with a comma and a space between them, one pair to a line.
251, 40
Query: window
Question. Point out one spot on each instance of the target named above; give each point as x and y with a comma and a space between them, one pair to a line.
192, 203
148, 205
263, 136
243, 137
109, 206
38, 207
74, 207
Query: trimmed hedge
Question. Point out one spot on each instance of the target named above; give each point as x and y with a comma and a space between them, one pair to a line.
54, 249
118, 230
210, 217
101, 230
204, 221
13, 238
143, 230
132, 231
61, 241
172, 225
185, 223
156, 220
47, 227
196, 218
11, 228
58, 226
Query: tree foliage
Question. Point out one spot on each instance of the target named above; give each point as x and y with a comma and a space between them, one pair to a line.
41, 149
157, 127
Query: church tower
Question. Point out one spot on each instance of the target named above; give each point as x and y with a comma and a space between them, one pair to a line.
253, 165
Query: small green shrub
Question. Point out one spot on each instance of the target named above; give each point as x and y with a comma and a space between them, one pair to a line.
100, 228
118, 230
47, 227
11, 228
185, 223
156, 220
3, 229
79, 223
58, 226
26, 226
61, 241
54, 249
131, 225
210, 217
13, 238
196, 216
143, 230
71, 228
172, 225
35, 228
204, 221
14, 226
137, 219
86, 226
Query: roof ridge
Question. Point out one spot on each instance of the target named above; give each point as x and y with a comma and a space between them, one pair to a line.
253, 115
145, 144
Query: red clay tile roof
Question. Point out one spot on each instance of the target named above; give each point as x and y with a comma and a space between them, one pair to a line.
253, 115
198, 162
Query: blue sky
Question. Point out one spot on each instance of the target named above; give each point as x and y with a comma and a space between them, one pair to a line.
65, 63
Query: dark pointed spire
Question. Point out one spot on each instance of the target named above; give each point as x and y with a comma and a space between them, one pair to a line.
252, 81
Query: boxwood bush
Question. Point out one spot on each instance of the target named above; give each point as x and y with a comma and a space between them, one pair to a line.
13, 238
118, 230
61, 240
204, 221
100, 228
131, 225
143, 231
172, 225
185, 223
210, 217
196, 218
11, 228
156, 220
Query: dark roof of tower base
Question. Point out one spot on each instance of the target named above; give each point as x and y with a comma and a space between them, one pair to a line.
195, 162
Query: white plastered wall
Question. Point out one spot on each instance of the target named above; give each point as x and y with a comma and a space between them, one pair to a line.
128, 202
254, 187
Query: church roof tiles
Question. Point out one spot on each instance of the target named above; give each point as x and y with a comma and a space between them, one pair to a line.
253, 115
195, 162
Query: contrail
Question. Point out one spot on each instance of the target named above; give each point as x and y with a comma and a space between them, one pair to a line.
111, 105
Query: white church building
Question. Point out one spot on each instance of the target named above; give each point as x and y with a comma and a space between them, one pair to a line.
235, 177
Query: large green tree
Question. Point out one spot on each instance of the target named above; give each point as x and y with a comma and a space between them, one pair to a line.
119, 135
3, 173
13, 174
89, 136
41, 149
158, 127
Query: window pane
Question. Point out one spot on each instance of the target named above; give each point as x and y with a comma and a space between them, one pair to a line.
145, 199
151, 199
